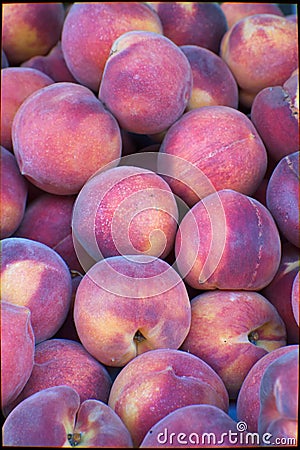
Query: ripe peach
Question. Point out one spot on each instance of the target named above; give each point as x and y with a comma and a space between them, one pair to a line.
61, 135
228, 241
127, 305
91, 28
295, 298
231, 330
35, 276
213, 82
204, 151
17, 350
30, 29
160, 381
54, 417
192, 23
125, 210
282, 197
261, 51
237, 11
146, 83
13, 196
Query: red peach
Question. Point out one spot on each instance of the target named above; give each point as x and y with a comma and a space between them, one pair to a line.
237, 11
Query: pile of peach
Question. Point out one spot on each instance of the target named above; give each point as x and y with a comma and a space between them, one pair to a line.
149, 224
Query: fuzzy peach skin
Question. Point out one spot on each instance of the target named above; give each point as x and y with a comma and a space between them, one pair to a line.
248, 402
261, 51
54, 417
192, 426
35, 276
17, 350
228, 241
125, 210
128, 305
65, 362
209, 149
17, 84
30, 29
295, 298
192, 23
279, 394
146, 83
231, 330
61, 135
91, 28
47, 219
282, 197
160, 381
13, 195
237, 11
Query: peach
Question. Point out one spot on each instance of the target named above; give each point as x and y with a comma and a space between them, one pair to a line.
237, 11
231, 330
91, 28
146, 306
125, 210
47, 219
30, 29
213, 82
54, 417
192, 426
160, 381
192, 23
228, 241
295, 298
282, 197
204, 151
65, 362
53, 64
279, 291
17, 84
146, 82
248, 401
35, 276
61, 135
17, 350
279, 393
13, 197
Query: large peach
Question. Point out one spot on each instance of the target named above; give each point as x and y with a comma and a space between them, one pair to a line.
237, 11
160, 381
146, 83
13, 196
127, 305
17, 84
205, 151
30, 29
228, 241
91, 28
35, 276
17, 350
62, 134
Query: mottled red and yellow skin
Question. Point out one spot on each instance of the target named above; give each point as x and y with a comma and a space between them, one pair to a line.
160, 381
192, 23
248, 402
231, 330
228, 241
54, 417
90, 30
282, 197
17, 84
61, 135
237, 11
279, 394
17, 350
146, 83
127, 305
13, 196
205, 151
30, 29
261, 51
43, 283
295, 298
